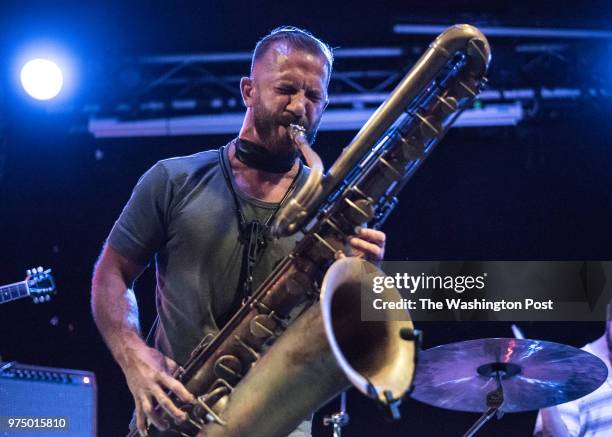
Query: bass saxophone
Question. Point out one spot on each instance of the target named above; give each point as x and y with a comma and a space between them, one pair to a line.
268, 368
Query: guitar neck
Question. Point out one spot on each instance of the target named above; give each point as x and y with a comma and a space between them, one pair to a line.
13, 291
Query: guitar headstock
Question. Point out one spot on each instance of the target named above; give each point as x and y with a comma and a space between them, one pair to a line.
40, 284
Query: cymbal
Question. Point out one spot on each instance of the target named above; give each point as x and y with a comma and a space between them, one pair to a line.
534, 374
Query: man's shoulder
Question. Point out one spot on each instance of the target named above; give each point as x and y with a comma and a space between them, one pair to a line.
191, 163
184, 170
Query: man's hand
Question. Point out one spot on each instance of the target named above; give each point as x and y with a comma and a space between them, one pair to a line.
147, 372
368, 244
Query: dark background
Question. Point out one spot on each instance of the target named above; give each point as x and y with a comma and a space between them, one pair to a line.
538, 191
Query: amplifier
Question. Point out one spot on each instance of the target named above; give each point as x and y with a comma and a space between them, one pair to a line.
44, 401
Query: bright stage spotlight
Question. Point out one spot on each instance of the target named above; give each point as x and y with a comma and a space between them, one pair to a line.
42, 78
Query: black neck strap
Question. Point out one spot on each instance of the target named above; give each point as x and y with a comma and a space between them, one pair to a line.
256, 156
253, 233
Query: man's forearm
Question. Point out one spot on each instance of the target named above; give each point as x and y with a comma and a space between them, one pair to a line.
552, 423
147, 371
116, 315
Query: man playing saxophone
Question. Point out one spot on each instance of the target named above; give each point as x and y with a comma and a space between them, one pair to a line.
203, 217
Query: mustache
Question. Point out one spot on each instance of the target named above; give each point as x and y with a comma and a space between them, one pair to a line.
287, 118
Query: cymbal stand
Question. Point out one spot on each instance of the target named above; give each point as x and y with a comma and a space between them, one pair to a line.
495, 399
339, 419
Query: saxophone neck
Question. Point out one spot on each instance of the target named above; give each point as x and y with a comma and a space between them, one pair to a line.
297, 134
291, 217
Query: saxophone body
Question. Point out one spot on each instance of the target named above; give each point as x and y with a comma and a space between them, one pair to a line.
270, 368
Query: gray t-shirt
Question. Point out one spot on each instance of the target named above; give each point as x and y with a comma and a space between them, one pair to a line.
182, 213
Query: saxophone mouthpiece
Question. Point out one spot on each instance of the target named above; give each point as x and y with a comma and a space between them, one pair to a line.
297, 133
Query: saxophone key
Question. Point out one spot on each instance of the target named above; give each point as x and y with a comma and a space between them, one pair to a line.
360, 211
426, 123
411, 148
252, 352
389, 170
263, 326
448, 104
228, 367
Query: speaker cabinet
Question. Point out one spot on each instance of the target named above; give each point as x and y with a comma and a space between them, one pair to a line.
35, 392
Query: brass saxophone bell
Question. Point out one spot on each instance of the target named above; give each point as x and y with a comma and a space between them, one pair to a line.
386, 371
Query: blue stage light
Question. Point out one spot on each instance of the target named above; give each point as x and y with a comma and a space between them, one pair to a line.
42, 78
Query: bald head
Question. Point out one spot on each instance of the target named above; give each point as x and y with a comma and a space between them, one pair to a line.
289, 37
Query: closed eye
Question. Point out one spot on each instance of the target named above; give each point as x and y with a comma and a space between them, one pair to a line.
315, 97
285, 90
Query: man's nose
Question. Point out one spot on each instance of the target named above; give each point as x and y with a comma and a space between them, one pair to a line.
297, 105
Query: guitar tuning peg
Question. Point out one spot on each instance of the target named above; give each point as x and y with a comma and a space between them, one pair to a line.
40, 269
47, 298
28, 272
35, 300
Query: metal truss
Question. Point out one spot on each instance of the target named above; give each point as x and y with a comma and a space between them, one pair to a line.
199, 93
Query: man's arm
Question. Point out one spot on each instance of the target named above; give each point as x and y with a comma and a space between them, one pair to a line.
550, 423
115, 311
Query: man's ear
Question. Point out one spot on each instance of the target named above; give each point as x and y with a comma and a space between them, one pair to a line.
246, 89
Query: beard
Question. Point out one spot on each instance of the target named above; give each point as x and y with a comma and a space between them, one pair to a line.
275, 139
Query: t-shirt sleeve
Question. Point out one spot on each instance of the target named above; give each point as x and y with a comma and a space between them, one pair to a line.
570, 416
140, 230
